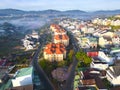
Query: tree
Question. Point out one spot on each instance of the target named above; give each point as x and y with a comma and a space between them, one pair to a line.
61, 63
70, 55
43, 64
83, 59
48, 66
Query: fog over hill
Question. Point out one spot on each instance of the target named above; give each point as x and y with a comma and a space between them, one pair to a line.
36, 19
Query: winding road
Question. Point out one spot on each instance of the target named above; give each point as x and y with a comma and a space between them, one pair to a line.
42, 76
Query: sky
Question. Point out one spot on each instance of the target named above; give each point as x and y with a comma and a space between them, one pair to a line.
63, 5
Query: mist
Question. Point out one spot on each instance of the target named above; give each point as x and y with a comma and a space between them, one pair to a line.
27, 23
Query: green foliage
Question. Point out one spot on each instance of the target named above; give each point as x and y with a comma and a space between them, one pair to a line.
83, 59
23, 59
62, 63
70, 55
113, 18
49, 37
43, 64
80, 64
48, 66
80, 55
115, 27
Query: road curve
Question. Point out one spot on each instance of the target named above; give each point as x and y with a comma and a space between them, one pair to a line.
70, 79
42, 76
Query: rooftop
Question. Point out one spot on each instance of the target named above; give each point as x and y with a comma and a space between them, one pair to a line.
115, 70
52, 48
115, 48
61, 37
24, 71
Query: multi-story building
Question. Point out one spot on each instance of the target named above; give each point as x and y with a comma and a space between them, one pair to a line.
61, 39
54, 52
60, 35
54, 27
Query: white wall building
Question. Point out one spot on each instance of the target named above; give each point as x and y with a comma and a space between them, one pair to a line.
99, 65
113, 75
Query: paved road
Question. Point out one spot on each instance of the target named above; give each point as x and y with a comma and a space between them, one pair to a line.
70, 80
42, 76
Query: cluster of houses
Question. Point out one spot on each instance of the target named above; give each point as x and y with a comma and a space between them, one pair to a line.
56, 50
114, 22
102, 45
30, 41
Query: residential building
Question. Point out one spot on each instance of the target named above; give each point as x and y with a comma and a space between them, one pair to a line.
88, 42
54, 27
34, 35
102, 56
116, 40
61, 39
22, 79
113, 75
99, 65
113, 22
60, 35
30, 41
54, 52
115, 50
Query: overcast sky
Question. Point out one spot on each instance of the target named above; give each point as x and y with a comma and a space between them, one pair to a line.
86, 5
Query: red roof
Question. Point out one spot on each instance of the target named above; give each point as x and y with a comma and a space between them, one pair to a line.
92, 54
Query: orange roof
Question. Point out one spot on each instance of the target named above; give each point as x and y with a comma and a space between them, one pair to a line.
52, 48
48, 51
62, 30
56, 37
63, 49
59, 37
65, 37
58, 51
55, 26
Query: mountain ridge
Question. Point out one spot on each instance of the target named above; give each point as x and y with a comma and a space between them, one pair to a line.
9, 12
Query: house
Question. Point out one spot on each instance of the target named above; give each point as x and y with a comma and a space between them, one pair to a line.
113, 75
116, 40
31, 40
99, 65
88, 42
4, 71
88, 82
27, 44
102, 56
104, 41
34, 35
23, 77
115, 50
